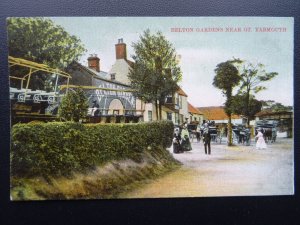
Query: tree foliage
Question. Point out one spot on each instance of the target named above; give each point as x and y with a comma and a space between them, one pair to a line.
239, 107
226, 78
252, 77
276, 106
156, 72
74, 105
41, 41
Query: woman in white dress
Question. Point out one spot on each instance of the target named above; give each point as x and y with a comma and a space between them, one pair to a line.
260, 144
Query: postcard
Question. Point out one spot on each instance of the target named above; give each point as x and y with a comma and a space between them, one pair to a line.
151, 107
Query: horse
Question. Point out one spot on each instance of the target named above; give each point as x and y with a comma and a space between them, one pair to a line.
269, 134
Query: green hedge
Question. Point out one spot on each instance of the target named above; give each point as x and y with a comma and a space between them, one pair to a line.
58, 149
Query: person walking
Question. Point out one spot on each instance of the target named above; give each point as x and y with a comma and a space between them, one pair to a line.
206, 139
185, 140
260, 144
176, 142
198, 133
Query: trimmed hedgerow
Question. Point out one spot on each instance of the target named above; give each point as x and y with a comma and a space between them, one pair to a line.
58, 149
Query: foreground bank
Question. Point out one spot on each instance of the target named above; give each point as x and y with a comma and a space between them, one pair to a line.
75, 161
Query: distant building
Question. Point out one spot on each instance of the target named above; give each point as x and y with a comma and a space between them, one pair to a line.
269, 115
195, 115
284, 120
217, 114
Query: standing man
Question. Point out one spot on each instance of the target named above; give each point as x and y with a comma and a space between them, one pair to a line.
95, 108
198, 133
206, 139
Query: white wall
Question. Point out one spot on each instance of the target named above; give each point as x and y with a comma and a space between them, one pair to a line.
234, 121
184, 108
143, 109
121, 70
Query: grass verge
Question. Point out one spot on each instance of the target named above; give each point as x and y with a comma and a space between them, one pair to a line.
104, 182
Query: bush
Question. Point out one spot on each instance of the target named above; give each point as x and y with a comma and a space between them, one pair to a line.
74, 106
58, 149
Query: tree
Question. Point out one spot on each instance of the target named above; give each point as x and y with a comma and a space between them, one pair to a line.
226, 78
74, 106
276, 106
239, 106
156, 73
41, 41
252, 77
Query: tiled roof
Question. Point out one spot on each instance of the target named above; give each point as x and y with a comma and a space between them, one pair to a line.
181, 92
98, 75
193, 110
216, 113
269, 113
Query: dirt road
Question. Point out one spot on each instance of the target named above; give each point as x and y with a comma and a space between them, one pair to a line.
234, 171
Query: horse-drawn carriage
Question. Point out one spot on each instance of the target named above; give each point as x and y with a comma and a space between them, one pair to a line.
268, 129
215, 133
241, 134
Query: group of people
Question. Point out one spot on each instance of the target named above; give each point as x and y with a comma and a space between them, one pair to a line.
181, 140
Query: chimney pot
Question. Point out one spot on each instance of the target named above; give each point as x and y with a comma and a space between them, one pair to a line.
94, 62
121, 50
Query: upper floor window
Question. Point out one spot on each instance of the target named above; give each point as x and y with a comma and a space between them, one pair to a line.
113, 76
169, 99
180, 101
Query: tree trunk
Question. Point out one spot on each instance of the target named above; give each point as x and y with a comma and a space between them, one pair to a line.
229, 131
247, 106
156, 110
160, 111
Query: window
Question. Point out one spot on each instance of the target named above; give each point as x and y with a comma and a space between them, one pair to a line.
177, 99
181, 119
116, 112
169, 99
177, 118
150, 115
180, 102
169, 116
113, 76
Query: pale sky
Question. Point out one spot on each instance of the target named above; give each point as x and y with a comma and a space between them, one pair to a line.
200, 51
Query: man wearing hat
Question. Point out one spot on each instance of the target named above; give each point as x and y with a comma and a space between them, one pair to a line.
206, 139
95, 108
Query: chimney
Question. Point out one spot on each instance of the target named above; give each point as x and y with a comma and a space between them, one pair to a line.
94, 62
121, 50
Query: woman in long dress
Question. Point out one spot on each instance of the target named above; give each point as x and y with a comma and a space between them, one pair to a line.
185, 140
260, 144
